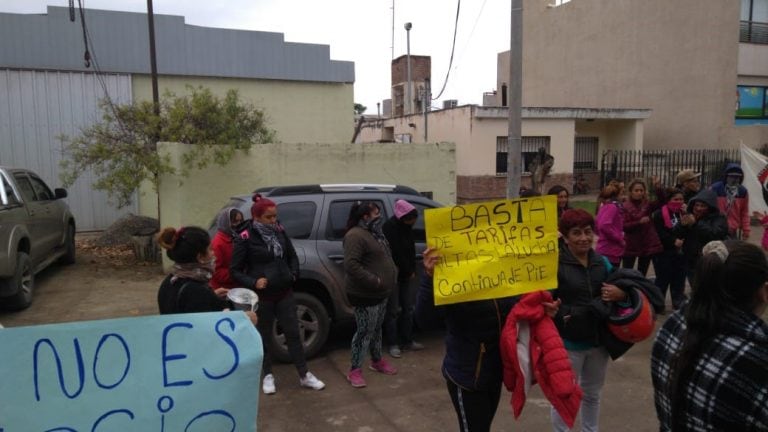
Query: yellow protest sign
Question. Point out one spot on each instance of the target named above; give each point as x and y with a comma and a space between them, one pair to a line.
494, 249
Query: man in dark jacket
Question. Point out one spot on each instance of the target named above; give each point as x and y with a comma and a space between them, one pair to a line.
705, 223
398, 324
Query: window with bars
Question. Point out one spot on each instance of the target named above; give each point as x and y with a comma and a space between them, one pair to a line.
585, 154
529, 145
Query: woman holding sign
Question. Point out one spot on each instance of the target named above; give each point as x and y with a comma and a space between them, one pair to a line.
581, 277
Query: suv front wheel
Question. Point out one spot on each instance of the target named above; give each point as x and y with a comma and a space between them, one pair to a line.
314, 326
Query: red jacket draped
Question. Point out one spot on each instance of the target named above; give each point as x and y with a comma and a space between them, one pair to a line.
533, 352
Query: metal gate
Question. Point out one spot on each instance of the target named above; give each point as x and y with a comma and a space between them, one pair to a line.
624, 165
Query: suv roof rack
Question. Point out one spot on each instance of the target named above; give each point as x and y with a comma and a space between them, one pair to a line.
338, 187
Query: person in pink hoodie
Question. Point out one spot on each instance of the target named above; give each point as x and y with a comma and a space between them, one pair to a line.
609, 226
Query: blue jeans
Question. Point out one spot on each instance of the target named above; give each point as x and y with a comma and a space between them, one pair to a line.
589, 366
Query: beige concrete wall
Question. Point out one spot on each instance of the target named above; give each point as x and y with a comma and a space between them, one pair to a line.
300, 112
475, 138
753, 61
678, 58
196, 199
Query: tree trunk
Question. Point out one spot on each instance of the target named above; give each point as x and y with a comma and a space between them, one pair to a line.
145, 247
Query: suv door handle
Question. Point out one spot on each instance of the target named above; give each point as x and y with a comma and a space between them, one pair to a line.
336, 258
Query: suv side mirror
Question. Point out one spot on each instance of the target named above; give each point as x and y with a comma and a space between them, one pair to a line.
60, 193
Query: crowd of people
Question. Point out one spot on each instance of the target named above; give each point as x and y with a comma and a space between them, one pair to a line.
709, 365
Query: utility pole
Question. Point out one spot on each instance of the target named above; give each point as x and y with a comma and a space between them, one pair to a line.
426, 101
515, 88
393, 29
408, 68
153, 59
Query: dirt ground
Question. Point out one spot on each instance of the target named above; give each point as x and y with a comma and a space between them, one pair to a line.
108, 284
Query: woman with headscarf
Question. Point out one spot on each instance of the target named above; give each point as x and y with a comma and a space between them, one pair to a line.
371, 275
264, 260
226, 221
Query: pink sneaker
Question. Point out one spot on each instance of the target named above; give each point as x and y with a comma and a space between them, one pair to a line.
383, 366
355, 377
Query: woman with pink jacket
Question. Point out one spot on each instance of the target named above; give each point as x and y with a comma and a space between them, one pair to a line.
609, 226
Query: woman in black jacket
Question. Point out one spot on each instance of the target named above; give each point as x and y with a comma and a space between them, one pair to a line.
185, 289
264, 260
472, 364
584, 294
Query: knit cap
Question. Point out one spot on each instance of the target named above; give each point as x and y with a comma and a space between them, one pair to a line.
403, 208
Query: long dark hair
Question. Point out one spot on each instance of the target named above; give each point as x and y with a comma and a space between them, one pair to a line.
720, 286
358, 210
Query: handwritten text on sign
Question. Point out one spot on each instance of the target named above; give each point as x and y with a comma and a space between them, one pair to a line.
494, 249
188, 372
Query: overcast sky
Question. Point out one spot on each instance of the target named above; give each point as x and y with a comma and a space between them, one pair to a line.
358, 31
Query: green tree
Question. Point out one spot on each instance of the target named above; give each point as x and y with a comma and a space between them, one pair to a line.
360, 108
121, 149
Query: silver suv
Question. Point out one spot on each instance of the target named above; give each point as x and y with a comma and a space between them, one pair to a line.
36, 230
315, 216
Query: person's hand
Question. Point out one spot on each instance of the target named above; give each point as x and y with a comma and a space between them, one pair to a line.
612, 293
551, 308
645, 220
261, 283
678, 243
744, 235
430, 260
688, 219
221, 292
252, 316
758, 214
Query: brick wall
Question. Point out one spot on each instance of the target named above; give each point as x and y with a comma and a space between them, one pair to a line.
421, 69
488, 188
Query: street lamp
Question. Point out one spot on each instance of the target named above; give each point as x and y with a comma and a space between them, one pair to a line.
408, 66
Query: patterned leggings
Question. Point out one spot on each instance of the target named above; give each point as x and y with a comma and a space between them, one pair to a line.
367, 337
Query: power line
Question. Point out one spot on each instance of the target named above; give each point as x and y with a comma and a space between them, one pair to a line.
453, 48
471, 33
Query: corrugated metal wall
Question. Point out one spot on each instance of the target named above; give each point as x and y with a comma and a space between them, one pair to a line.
38, 106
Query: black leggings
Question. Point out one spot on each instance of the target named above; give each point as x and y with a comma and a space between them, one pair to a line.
474, 409
643, 263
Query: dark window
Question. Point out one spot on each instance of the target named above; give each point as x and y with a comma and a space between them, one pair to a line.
529, 147
25, 187
585, 154
10, 196
297, 218
754, 21
41, 190
337, 218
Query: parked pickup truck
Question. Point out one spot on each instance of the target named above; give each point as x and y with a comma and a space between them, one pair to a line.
36, 230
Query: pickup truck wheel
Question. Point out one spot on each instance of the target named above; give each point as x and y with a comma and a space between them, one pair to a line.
69, 244
24, 281
314, 326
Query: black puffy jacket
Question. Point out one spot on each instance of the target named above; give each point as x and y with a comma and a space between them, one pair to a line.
252, 259
712, 226
472, 351
579, 289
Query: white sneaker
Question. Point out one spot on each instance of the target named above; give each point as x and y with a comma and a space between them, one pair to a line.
268, 384
311, 381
